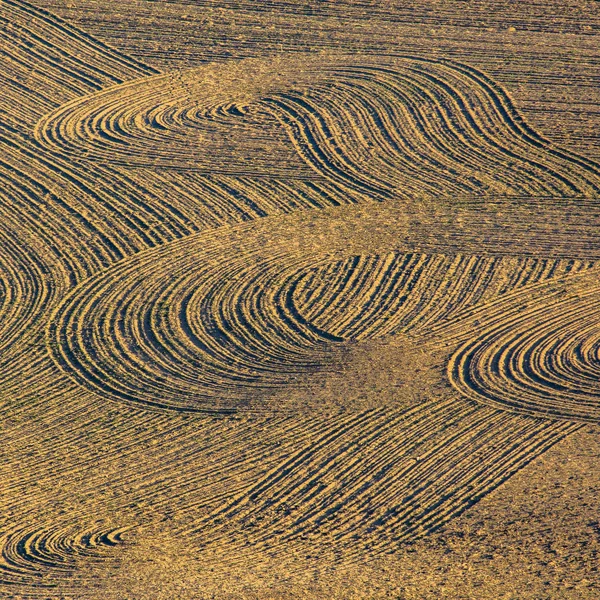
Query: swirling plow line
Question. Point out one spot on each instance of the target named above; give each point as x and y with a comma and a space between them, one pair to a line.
410, 128
334, 128
206, 322
384, 478
536, 353
27, 556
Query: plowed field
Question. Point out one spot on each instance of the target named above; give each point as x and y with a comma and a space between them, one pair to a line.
299, 299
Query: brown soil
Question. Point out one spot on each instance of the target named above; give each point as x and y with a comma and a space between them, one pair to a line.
299, 300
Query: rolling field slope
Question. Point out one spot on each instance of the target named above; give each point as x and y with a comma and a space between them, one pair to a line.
290, 298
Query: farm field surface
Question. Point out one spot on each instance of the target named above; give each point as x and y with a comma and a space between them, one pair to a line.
299, 299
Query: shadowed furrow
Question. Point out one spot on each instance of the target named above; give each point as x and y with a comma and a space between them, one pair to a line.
29, 555
46, 208
537, 353
373, 296
72, 221
47, 61
410, 128
380, 479
143, 262
210, 322
136, 468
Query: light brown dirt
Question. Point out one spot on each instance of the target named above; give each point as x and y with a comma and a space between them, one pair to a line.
299, 300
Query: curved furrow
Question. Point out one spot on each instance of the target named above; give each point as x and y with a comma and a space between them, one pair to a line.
166, 464
215, 322
536, 353
91, 52
52, 230
32, 280
402, 127
153, 470
158, 111
29, 555
325, 325
137, 215
72, 221
25, 290
409, 292
47, 62
161, 352
387, 478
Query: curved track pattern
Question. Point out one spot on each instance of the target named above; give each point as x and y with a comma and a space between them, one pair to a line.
381, 478
411, 128
285, 260
537, 353
375, 296
27, 556
207, 322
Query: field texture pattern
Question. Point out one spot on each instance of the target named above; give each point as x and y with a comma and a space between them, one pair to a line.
284, 293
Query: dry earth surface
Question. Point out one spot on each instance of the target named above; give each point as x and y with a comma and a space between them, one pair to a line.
299, 299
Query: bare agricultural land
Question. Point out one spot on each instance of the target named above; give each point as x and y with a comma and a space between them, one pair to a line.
299, 299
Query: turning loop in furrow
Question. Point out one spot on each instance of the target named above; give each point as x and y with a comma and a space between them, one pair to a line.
30, 555
404, 126
536, 352
115, 181
217, 321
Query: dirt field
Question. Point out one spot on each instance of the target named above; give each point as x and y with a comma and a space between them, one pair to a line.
299, 300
